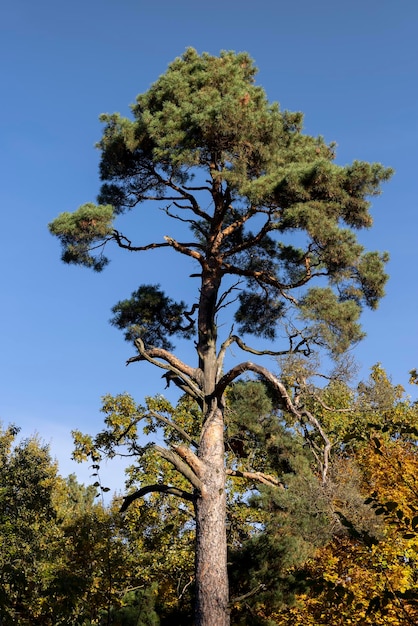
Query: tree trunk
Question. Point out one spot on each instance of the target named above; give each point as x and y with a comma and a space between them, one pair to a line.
212, 593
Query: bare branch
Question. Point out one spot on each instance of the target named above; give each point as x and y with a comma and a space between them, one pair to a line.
315, 449
190, 376
288, 296
181, 593
102, 244
187, 188
151, 354
184, 193
161, 198
231, 228
221, 302
249, 243
180, 466
251, 593
235, 339
260, 477
195, 224
182, 207
174, 491
243, 346
191, 459
188, 314
263, 277
172, 425
300, 414
124, 242
185, 248
182, 384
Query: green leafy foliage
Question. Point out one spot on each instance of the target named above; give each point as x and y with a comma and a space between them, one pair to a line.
335, 321
138, 609
62, 560
300, 551
272, 527
27, 526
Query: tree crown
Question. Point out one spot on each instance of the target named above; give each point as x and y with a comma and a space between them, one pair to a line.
266, 205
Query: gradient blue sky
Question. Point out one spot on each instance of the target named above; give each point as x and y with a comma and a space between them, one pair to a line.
351, 67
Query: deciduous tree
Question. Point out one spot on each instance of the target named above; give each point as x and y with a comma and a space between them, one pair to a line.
28, 532
62, 559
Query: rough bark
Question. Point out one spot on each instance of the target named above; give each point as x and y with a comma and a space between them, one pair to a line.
212, 594
212, 589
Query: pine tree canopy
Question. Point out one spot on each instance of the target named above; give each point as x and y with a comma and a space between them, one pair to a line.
265, 203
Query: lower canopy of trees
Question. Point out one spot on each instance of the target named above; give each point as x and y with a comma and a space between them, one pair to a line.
299, 551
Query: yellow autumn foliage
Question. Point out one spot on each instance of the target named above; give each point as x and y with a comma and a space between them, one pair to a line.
358, 582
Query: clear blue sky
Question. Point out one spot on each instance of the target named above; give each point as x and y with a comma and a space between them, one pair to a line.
351, 67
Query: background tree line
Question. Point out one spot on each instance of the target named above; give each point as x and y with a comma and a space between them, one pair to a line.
300, 550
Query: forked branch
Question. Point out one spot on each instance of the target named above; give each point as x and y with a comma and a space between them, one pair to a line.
176, 367
191, 459
236, 339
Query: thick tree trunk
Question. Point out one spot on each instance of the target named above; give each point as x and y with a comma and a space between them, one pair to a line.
212, 593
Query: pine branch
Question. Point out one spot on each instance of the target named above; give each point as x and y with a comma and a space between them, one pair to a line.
252, 241
151, 354
251, 593
182, 191
221, 304
182, 384
193, 223
188, 314
266, 278
185, 248
231, 228
235, 339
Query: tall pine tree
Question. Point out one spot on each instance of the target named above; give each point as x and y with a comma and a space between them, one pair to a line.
272, 223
